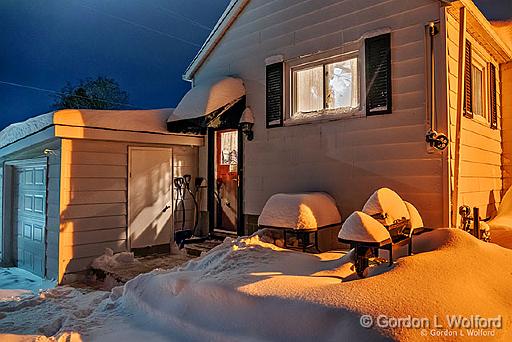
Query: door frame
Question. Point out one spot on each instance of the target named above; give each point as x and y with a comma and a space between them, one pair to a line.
9, 232
128, 193
240, 222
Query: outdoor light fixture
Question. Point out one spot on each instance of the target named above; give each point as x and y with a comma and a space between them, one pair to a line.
246, 123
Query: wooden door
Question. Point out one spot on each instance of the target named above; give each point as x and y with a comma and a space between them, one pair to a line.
226, 180
149, 197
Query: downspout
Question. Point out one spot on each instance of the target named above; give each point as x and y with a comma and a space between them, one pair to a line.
458, 122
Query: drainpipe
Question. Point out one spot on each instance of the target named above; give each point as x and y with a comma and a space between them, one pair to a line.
460, 106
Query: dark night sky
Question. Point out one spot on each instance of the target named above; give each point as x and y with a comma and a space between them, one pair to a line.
45, 43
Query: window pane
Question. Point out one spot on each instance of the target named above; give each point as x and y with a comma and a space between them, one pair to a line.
309, 91
342, 85
477, 75
229, 148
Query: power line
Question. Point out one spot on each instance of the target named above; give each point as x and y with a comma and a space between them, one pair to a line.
64, 94
179, 15
142, 26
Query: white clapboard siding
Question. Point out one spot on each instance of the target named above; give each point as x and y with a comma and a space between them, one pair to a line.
480, 177
349, 158
53, 214
94, 198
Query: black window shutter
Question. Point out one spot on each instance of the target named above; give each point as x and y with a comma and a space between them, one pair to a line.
468, 83
274, 89
492, 96
378, 74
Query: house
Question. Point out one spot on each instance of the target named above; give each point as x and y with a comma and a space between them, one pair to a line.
75, 182
341, 96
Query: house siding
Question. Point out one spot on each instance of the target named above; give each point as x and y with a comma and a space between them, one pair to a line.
349, 158
94, 181
53, 214
480, 173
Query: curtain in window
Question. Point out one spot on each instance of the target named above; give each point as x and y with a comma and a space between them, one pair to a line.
309, 90
229, 148
342, 85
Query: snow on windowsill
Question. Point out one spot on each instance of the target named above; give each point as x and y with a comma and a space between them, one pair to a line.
325, 116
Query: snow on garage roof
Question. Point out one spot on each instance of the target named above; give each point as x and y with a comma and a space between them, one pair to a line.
143, 121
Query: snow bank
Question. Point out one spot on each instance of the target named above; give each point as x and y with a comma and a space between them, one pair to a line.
501, 225
386, 201
362, 227
208, 97
300, 211
109, 261
250, 290
16, 282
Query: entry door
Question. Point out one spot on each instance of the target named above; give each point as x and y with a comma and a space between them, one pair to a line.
226, 180
149, 197
29, 214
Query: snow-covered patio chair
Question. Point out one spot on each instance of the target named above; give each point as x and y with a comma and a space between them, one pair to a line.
385, 221
300, 214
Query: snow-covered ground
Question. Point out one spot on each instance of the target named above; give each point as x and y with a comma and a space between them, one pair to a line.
15, 283
249, 289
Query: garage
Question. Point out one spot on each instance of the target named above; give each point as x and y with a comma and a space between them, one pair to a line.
29, 214
76, 182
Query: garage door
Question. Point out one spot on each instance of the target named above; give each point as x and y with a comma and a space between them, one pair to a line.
30, 216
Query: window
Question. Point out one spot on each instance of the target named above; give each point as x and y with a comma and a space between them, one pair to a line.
480, 95
229, 148
477, 96
325, 89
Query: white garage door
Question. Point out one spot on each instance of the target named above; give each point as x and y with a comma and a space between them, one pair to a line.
30, 216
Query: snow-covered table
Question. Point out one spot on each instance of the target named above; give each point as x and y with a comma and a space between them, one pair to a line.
300, 214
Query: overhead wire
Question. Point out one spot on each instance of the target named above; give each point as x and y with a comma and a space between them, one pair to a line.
14, 84
141, 26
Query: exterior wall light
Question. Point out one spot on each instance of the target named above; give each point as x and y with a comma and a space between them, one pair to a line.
246, 123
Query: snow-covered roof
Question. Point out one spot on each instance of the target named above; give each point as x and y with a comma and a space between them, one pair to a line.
208, 97
143, 121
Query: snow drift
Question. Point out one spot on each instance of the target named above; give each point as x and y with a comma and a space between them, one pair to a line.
249, 289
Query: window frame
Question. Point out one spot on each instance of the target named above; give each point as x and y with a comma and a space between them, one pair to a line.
353, 50
479, 62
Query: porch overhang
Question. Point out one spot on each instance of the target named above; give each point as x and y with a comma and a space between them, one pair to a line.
217, 104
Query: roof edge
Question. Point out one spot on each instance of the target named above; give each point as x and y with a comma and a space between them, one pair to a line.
482, 20
227, 18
